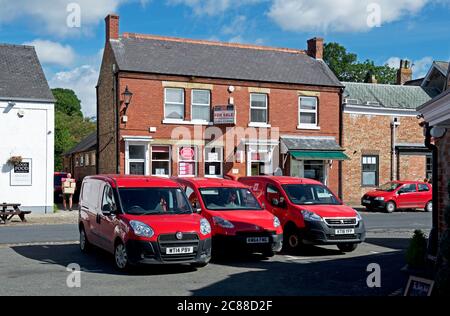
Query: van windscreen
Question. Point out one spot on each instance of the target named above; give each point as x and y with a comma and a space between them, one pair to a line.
310, 194
229, 199
154, 201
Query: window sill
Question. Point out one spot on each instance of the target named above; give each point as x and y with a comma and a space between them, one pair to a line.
262, 125
310, 127
181, 122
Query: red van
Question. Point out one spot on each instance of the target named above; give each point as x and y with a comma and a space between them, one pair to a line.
142, 220
236, 217
309, 212
400, 195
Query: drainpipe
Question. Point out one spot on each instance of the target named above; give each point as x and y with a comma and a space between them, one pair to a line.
433, 240
341, 139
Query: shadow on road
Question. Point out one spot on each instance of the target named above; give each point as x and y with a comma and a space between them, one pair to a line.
296, 278
392, 243
97, 261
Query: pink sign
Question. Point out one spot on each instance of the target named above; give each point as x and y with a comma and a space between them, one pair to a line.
187, 153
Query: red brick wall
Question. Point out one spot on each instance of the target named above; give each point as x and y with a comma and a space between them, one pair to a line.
371, 134
444, 177
147, 107
412, 167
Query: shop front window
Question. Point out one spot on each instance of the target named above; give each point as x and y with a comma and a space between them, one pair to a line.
310, 169
136, 159
213, 161
187, 161
161, 161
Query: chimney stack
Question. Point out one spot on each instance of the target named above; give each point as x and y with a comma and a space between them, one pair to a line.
315, 47
112, 27
370, 78
404, 73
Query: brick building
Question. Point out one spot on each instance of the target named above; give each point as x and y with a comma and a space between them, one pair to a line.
280, 107
437, 114
382, 135
80, 160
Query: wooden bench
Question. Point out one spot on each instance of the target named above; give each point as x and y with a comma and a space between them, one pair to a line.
8, 211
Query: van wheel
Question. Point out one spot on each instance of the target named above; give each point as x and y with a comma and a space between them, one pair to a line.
121, 257
347, 247
291, 239
85, 246
390, 207
429, 207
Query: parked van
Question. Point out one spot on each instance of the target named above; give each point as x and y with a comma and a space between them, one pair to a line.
398, 195
236, 217
142, 220
309, 212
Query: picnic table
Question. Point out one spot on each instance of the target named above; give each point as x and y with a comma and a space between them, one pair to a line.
9, 210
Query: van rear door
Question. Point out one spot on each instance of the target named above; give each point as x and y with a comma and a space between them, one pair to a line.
91, 198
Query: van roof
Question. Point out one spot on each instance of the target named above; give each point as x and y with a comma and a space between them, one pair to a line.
282, 180
211, 182
122, 181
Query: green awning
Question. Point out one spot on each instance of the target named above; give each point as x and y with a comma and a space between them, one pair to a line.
319, 155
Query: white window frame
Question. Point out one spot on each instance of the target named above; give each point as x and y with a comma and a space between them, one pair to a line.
145, 161
300, 111
200, 104
205, 161
166, 119
256, 124
158, 160
196, 162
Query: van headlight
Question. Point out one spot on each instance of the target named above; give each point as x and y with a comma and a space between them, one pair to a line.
310, 216
141, 229
276, 222
219, 221
205, 227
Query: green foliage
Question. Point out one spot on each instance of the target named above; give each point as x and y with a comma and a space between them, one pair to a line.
346, 66
416, 253
70, 126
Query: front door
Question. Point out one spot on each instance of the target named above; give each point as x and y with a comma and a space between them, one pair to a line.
276, 203
107, 222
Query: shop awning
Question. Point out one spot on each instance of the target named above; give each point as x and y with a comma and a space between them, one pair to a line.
319, 155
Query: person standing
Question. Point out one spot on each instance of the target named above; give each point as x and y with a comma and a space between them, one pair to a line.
68, 188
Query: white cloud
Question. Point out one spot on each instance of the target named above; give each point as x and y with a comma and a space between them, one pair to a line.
213, 7
82, 80
420, 67
340, 16
51, 16
53, 53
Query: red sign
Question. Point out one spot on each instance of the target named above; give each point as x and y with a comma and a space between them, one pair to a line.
187, 153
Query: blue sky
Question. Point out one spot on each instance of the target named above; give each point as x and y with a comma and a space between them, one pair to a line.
413, 29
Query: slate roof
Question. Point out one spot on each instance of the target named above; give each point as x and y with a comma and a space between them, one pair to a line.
21, 75
87, 144
387, 96
220, 60
311, 143
442, 66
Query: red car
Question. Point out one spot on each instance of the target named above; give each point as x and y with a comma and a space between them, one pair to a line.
142, 220
309, 212
400, 195
236, 217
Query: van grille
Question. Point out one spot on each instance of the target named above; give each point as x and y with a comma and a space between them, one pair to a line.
340, 221
171, 241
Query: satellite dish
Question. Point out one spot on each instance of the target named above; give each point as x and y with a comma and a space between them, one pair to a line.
438, 132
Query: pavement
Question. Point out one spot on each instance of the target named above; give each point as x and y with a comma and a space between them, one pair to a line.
34, 260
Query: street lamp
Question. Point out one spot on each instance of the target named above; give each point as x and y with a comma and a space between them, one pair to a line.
127, 95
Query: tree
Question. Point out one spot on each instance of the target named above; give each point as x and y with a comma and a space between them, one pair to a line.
346, 66
70, 125
67, 102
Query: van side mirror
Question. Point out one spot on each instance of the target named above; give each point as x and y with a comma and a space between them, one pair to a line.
107, 209
196, 207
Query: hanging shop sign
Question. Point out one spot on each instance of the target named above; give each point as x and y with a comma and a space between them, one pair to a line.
21, 174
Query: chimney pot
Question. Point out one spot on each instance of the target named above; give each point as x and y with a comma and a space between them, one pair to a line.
315, 47
112, 27
404, 73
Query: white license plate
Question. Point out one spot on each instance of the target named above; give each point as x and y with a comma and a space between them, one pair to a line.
179, 250
366, 201
344, 231
257, 240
